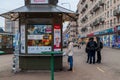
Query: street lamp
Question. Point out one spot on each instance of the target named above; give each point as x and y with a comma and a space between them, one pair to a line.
68, 5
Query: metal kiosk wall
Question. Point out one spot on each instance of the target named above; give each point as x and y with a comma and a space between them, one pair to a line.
39, 34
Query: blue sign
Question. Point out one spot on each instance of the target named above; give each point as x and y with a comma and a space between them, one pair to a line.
118, 28
79, 36
96, 33
67, 36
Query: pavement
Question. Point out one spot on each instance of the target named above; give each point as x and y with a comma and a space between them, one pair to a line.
109, 69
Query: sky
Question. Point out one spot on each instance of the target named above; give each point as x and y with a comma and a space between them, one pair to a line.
7, 5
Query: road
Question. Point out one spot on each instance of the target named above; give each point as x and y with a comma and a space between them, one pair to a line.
109, 69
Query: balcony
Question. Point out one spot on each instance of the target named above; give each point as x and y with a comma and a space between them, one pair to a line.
83, 20
83, 1
101, 20
101, 3
96, 22
97, 6
91, 25
116, 12
86, 6
84, 29
83, 10
92, 0
91, 12
86, 17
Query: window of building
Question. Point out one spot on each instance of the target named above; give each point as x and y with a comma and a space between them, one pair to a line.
118, 6
105, 7
111, 13
110, 2
114, 20
108, 14
103, 25
110, 23
105, 14
114, 1
107, 23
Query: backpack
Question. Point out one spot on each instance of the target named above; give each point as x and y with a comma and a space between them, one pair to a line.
92, 46
101, 45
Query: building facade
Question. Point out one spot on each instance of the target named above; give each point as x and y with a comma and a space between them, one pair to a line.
98, 17
70, 32
11, 26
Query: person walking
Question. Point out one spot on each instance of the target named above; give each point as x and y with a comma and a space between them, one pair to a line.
91, 46
99, 48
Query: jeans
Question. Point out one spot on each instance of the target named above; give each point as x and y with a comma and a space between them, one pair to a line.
88, 57
92, 57
70, 60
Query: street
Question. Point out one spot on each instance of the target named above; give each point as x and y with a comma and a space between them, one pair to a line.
109, 69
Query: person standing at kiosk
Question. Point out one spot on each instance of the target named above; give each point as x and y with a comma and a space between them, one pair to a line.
70, 53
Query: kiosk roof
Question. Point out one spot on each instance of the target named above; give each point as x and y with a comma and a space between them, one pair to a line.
42, 9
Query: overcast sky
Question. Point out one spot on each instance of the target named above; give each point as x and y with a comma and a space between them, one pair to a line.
7, 5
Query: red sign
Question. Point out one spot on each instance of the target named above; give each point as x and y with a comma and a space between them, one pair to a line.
56, 26
90, 35
115, 29
39, 1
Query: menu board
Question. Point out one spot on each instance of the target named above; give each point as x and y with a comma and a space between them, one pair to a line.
39, 38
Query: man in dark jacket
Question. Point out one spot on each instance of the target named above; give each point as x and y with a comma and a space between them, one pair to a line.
99, 47
91, 47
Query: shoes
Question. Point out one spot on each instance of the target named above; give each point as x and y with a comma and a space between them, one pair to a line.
86, 61
69, 69
90, 63
98, 62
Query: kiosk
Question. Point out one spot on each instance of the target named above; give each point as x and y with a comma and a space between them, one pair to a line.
40, 28
6, 42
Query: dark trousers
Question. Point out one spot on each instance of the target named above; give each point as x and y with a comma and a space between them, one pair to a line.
98, 56
70, 60
88, 57
92, 57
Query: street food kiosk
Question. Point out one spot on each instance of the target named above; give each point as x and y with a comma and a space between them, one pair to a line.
6, 41
40, 28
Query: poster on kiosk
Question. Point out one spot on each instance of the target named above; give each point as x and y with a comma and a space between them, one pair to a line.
39, 38
57, 38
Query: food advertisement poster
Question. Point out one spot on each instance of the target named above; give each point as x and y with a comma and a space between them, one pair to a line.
57, 38
39, 38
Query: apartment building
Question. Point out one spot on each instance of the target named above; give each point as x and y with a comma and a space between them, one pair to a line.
99, 18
